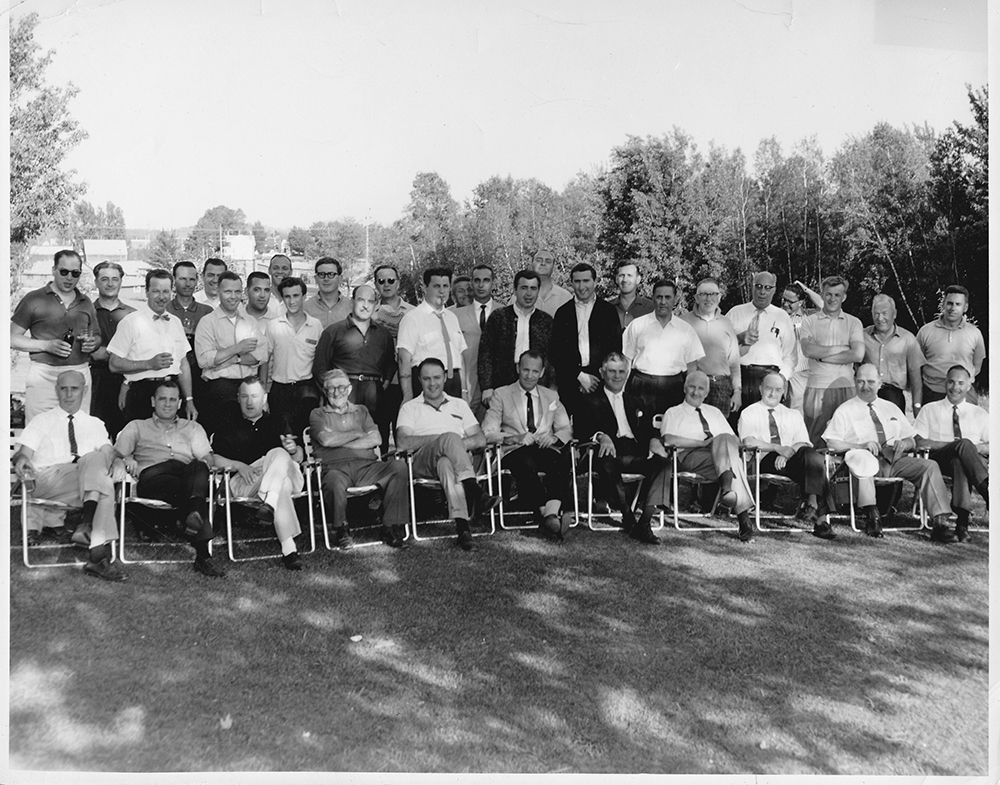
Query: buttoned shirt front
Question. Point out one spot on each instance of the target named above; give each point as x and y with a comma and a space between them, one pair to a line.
944, 347
108, 319
583, 312
826, 330
775, 336
893, 355
47, 435
852, 423
293, 349
682, 420
45, 315
640, 307
356, 418
328, 314
218, 330
420, 334
522, 335
423, 419
661, 350
718, 341
935, 422
143, 334
755, 424
343, 345
152, 441
189, 316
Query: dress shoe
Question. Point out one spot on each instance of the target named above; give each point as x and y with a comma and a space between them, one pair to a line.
342, 539
962, 533
104, 570
394, 536
193, 523
809, 514
293, 561
601, 507
265, 515
823, 530
565, 523
644, 534
727, 498
465, 541
942, 534
746, 526
34, 538
873, 528
82, 535
550, 526
207, 567
486, 504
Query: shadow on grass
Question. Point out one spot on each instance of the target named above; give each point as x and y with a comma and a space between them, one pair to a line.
788, 656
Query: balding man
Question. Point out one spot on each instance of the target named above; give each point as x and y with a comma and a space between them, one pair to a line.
894, 351
721, 362
67, 454
766, 337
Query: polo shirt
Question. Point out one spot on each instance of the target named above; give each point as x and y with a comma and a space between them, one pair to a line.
42, 313
140, 336
218, 331
356, 418
944, 347
420, 334
243, 440
852, 423
48, 436
292, 350
718, 340
189, 316
661, 350
640, 307
934, 422
682, 420
275, 306
108, 319
775, 336
344, 346
453, 416
826, 330
391, 317
893, 356
327, 315
152, 441
755, 424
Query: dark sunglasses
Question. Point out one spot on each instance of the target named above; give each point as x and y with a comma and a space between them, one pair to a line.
64, 273
382, 281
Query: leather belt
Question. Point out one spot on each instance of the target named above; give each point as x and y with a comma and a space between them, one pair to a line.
362, 377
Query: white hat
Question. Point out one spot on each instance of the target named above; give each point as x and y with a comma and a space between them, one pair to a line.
861, 463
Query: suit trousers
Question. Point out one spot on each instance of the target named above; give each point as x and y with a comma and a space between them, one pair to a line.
631, 459
658, 393
70, 483
390, 476
722, 455
961, 461
924, 474
292, 404
184, 485
526, 462
446, 459
806, 468
276, 478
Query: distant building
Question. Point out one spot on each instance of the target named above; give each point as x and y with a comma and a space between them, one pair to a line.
97, 251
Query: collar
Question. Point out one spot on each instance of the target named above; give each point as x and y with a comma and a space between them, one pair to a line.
372, 324
253, 422
157, 316
870, 329
445, 399
939, 322
526, 314
350, 408
176, 303
824, 315
711, 317
50, 288
588, 304
159, 423
98, 306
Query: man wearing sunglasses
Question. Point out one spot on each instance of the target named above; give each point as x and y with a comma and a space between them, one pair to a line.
328, 304
388, 313
63, 331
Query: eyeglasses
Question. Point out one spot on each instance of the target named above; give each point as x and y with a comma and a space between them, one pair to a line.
327, 275
340, 388
786, 301
64, 273
763, 288
383, 281
708, 294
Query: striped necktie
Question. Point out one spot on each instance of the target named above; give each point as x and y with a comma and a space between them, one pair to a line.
773, 427
878, 425
74, 450
956, 423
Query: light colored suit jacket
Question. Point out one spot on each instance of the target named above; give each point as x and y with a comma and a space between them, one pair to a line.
506, 414
468, 320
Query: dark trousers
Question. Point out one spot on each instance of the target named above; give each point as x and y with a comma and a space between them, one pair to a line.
184, 485
967, 468
893, 395
806, 468
631, 459
452, 386
292, 404
391, 476
385, 418
751, 377
219, 403
658, 393
104, 398
139, 401
526, 462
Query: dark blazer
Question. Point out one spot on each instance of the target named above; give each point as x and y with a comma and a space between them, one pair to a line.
496, 364
605, 330
595, 414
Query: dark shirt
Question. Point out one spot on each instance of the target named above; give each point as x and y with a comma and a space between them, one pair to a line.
242, 440
108, 321
342, 346
640, 307
189, 316
42, 313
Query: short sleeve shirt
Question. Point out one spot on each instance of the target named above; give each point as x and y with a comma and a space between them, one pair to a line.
852, 422
246, 441
682, 420
326, 315
108, 320
775, 336
661, 350
935, 422
640, 307
189, 316
826, 330
48, 436
755, 424
42, 313
944, 347
453, 416
718, 340
292, 350
140, 336
218, 331
356, 418
154, 441
893, 356
420, 334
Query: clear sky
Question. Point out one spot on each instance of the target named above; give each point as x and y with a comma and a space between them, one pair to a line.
305, 110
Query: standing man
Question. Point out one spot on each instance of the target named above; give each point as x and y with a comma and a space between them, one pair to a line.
64, 332
279, 269
259, 298
957, 433
170, 457
149, 347
721, 363
293, 337
472, 318
210, 272
229, 345
361, 348
328, 304
661, 348
894, 351
550, 296
584, 332
440, 430
766, 336
389, 313
833, 341
461, 292
950, 340
68, 455
510, 332
430, 330
110, 310
629, 303
794, 302
186, 308
265, 460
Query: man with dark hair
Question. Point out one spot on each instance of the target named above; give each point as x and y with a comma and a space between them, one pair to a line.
461, 291
210, 272
190, 311
430, 330
894, 351
550, 296
472, 318
584, 331
279, 268
629, 303
259, 298
798, 301
950, 340
149, 347
661, 348
328, 304
110, 310
440, 430
170, 458
293, 337
389, 312
64, 332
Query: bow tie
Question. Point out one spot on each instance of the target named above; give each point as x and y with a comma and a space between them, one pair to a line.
163, 316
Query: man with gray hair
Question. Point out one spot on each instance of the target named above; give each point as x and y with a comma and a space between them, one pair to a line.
894, 351
721, 362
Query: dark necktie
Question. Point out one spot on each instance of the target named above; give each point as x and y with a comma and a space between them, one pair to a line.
955, 423
704, 423
773, 427
450, 365
531, 414
74, 450
482, 317
878, 425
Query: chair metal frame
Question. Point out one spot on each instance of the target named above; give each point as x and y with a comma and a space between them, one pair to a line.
776, 479
949, 480
694, 479
125, 498
628, 478
829, 456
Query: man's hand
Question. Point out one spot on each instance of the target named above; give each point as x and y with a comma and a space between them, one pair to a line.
656, 447
58, 347
245, 472
131, 466
487, 397
247, 345
288, 442
191, 411
588, 382
544, 439
784, 451
24, 469
89, 344
606, 446
983, 449
117, 470
161, 361
122, 395
750, 336
780, 462
734, 402
874, 448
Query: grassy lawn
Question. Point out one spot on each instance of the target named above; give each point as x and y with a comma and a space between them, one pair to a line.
790, 655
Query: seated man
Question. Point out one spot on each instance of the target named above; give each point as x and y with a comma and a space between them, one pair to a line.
266, 462
169, 457
957, 433
867, 422
345, 440
616, 421
708, 447
440, 430
780, 433
68, 455
532, 423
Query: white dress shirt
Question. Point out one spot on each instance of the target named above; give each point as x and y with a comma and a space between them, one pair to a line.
775, 336
522, 337
583, 312
852, 423
47, 435
682, 420
661, 350
142, 335
935, 422
754, 424
420, 334
618, 407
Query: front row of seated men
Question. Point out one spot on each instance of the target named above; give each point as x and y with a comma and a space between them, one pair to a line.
67, 455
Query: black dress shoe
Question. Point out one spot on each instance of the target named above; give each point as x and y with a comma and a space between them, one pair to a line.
823, 530
550, 526
746, 527
486, 504
104, 570
962, 533
293, 561
265, 515
193, 523
644, 534
942, 534
873, 528
209, 568
394, 536
465, 541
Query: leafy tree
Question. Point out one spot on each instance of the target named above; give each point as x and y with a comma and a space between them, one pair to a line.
165, 250
85, 222
205, 237
42, 133
432, 217
259, 236
299, 240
